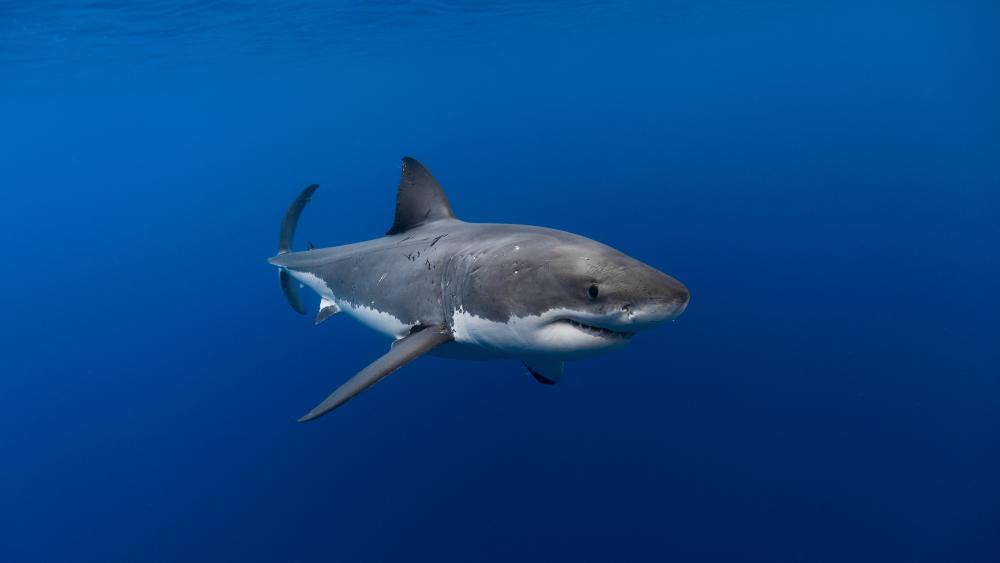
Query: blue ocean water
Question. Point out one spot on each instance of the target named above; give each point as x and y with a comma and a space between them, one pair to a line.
823, 177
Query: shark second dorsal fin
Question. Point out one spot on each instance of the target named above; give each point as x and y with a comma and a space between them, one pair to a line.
420, 199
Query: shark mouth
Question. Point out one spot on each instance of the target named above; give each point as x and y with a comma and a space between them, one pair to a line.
598, 331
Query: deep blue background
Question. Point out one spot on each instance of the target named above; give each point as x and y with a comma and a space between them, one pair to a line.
822, 175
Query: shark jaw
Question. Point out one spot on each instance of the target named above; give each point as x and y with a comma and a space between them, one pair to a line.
598, 331
557, 333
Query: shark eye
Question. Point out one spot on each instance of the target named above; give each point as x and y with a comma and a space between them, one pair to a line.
592, 291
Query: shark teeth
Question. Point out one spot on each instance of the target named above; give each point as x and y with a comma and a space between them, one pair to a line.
599, 331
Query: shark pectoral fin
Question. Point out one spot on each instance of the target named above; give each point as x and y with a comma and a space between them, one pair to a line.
545, 371
404, 351
327, 309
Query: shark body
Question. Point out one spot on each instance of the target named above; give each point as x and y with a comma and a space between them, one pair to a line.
435, 284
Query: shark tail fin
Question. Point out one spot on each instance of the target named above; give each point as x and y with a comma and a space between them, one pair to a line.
285, 246
292, 219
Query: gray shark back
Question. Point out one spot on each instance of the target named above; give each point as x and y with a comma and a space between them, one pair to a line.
423, 275
402, 275
397, 274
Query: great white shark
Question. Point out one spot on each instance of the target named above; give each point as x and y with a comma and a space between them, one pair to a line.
436, 284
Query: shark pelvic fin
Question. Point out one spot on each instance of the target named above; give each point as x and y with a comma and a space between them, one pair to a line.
405, 350
327, 309
420, 198
546, 372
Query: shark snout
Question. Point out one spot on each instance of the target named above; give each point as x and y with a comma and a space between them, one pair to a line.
667, 303
679, 296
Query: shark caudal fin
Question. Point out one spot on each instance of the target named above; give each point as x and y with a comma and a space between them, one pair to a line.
285, 246
420, 198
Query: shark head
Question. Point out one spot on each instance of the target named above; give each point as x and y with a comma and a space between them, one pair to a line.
550, 293
606, 290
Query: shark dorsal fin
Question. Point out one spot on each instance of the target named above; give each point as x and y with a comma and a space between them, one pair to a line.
420, 199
